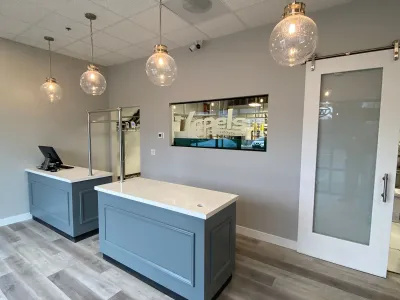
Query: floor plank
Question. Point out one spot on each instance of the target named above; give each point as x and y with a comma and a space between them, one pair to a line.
104, 289
2, 296
32, 237
42, 262
82, 255
17, 226
255, 290
45, 232
4, 269
42, 287
122, 296
14, 289
91, 244
71, 287
6, 249
131, 285
254, 274
8, 235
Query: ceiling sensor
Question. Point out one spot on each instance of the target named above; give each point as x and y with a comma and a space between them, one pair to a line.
197, 6
196, 45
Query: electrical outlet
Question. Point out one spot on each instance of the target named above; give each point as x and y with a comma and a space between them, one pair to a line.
153, 151
161, 135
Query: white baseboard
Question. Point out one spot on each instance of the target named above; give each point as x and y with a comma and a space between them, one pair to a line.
15, 219
266, 237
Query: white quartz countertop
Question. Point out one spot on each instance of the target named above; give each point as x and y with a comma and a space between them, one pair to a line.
196, 202
76, 174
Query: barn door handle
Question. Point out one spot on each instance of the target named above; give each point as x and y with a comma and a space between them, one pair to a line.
385, 187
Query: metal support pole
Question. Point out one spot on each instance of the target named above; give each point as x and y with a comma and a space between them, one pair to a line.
104, 110
123, 154
126, 107
121, 158
105, 121
90, 144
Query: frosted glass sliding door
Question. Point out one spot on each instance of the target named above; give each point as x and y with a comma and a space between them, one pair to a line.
349, 155
346, 155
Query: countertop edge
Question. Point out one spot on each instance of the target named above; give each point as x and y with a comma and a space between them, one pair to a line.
68, 180
166, 206
222, 207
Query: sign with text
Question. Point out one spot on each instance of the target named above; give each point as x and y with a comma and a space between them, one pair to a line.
237, 123
204, 127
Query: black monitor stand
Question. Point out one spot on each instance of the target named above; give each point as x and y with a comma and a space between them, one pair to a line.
49, 165
46, 163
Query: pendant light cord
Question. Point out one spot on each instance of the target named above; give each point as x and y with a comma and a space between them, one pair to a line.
160, 19
50, 60
91, 39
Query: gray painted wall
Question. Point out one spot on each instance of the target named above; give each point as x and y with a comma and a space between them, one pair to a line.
28, 121
240, 64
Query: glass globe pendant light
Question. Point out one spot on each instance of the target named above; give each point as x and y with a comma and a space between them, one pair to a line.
160, 67
50, 89
92, 81
294, 38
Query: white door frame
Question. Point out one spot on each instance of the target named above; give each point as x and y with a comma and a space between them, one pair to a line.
371, 258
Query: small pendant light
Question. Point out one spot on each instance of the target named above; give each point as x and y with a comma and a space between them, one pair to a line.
294, 38
50, 89
92, 81
160, 67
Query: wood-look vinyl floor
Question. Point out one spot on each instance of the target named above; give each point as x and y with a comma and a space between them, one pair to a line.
37, 263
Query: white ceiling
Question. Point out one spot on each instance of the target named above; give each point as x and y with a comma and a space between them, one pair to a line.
128, 29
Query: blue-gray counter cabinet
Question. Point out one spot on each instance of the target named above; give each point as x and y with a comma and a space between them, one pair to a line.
176, 238
66, 200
